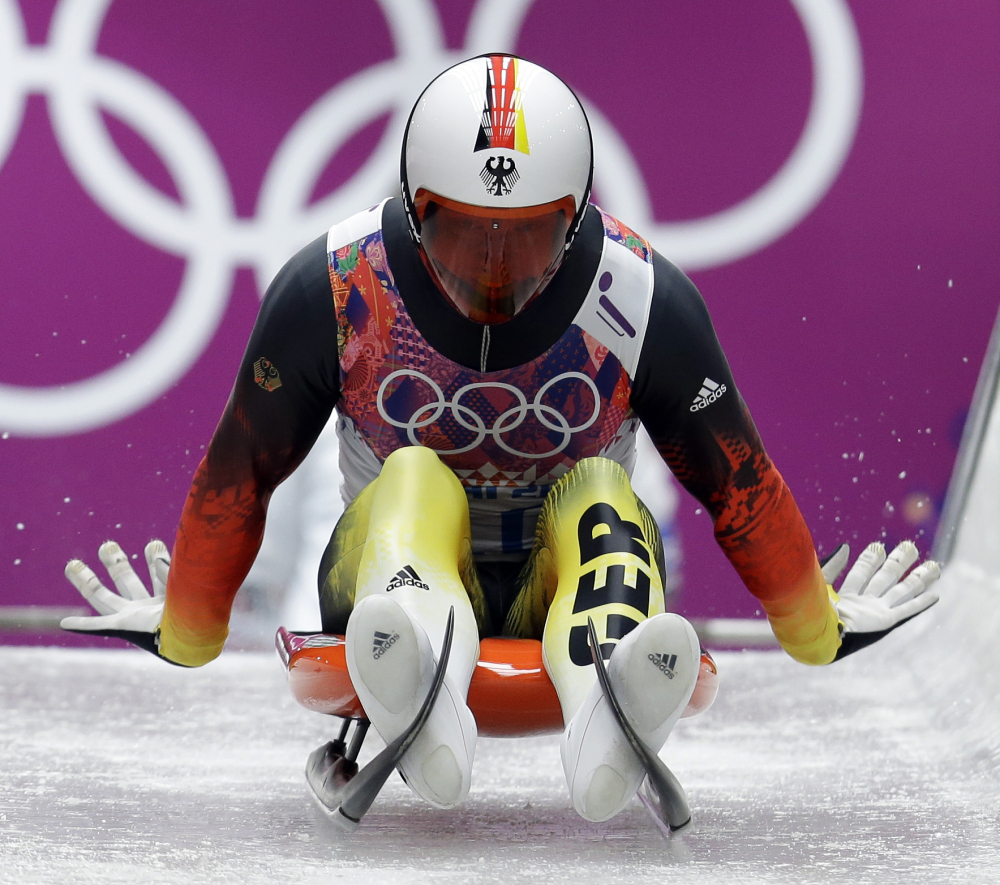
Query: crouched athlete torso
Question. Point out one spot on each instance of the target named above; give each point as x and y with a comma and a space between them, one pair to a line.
618, 336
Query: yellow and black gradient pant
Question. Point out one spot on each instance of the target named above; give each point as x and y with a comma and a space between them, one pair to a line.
597, 554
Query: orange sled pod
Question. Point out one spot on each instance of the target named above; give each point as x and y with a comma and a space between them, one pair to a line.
510, 695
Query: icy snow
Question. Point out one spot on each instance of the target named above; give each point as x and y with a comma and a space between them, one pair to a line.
115, 767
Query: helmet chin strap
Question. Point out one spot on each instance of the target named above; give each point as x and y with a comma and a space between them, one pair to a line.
484, 349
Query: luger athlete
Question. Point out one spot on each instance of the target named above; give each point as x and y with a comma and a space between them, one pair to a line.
491, 342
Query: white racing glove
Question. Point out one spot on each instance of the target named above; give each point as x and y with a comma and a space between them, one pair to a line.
131, 613
875, 598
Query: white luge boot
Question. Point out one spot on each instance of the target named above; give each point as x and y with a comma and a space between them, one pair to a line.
653, 672
391, 664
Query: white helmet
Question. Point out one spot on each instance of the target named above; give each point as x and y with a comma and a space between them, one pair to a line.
496, 172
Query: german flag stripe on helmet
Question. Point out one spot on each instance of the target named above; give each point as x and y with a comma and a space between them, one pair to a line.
502, 123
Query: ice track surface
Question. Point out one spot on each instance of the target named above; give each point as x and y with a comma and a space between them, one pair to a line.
116, 768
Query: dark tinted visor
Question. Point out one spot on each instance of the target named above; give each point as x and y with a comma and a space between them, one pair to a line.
491, 262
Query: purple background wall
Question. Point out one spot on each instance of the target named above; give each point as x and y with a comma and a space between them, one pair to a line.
855, 338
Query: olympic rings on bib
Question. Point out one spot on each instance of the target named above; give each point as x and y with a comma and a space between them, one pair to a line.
549, 417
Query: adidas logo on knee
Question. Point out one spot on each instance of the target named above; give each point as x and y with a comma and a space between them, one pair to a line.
406, 577
664, 663
382, 642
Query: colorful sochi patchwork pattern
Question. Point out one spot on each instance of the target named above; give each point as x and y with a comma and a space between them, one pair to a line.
618, 232
516, 428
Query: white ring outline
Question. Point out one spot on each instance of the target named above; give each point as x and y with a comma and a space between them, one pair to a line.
791, 193
502, 424
76, 91
12, 37
205, 230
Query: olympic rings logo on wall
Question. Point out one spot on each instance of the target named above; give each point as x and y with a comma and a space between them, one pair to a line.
203, 228
467, 418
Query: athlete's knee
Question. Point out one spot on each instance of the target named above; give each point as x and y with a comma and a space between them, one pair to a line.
597, 473
593, 499
606, 559
420, 503
409, 458
414, 464
590, 480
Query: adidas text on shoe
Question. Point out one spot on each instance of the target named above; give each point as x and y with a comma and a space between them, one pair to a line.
382, 642
709, 393
602, 771
664, 663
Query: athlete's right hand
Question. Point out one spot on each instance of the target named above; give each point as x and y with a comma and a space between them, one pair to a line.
131, 613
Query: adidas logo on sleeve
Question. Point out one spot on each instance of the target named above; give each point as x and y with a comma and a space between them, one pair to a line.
709, 393
406, 577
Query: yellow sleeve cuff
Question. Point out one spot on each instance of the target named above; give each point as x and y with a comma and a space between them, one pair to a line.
184, 648
822, 648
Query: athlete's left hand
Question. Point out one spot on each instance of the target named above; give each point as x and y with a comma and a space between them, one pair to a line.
875, 598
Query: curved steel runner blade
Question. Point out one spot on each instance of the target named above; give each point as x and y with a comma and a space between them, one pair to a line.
359, 794
667, 799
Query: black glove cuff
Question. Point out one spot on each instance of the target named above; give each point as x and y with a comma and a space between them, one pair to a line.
852, 642
147, 641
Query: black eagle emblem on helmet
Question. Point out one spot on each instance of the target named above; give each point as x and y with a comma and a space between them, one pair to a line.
499, 175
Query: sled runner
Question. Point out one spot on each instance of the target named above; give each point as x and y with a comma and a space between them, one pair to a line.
661, 792
344, 791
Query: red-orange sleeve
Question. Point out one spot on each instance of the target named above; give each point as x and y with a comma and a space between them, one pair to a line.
218, 537
284, 392
760, 529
